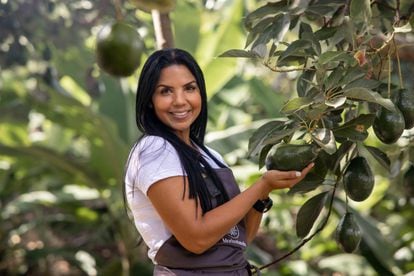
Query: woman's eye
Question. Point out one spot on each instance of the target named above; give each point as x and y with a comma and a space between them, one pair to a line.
191, 88
165, 91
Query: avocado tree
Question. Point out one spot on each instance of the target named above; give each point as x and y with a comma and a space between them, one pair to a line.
66, 127
347, 60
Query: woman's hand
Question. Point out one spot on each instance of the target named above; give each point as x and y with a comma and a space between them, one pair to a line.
275, 179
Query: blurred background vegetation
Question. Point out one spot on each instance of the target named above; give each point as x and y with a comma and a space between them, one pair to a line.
66, 128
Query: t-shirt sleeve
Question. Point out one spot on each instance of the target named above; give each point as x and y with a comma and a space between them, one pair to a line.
152, 160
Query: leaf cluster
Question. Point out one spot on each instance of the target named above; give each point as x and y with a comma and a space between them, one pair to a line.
344, 56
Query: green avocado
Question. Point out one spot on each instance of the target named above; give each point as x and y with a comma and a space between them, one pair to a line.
348, 234
119, 48
388, 125
291, 157
358, 179
405, 102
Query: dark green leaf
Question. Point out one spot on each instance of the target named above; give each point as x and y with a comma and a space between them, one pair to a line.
355, 129
304, 81
352, 74
380, 156
360, 11
323, 9
308, 214
258, 29
325, 33
264, 11
369, 84
296, 104
263, 154
364, 94
257, 138
277, 136
343, 149
333, 79
297, 60
315, 111
335, 56
275, 31
306, 33
309, 183
296, 48
305, 30
239, 53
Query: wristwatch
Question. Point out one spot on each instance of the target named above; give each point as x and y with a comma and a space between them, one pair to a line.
263, 205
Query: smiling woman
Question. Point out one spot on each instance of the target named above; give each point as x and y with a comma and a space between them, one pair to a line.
183, 198
177, 100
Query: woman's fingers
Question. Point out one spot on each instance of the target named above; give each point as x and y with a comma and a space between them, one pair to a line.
287, 179
281, 175
308, 168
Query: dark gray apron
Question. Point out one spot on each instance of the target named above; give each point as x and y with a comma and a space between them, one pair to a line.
226, 257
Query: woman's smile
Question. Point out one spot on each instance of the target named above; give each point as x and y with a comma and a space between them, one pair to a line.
177, 99
180, 114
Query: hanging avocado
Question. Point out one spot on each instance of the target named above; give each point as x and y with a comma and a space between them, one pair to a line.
358, 179
388, 125
348, 234
405, 102
118, 49
291, 157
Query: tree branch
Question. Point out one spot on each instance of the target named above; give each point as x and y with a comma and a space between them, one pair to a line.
304, 241
162, 27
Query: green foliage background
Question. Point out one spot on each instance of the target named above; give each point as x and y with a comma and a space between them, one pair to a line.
66, 128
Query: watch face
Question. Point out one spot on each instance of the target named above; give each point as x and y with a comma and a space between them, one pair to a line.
263, 205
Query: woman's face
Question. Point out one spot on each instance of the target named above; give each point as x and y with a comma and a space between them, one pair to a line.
177, 100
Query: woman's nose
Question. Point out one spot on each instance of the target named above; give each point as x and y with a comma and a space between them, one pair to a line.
179, 98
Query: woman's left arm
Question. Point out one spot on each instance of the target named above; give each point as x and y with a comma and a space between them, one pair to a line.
252, 222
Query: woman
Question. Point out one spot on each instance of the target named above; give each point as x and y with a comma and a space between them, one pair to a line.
184, 199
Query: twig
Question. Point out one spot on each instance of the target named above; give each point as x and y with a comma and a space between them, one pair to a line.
320, 228
397, 12
304, 241
118, 10
389, 76
399, 65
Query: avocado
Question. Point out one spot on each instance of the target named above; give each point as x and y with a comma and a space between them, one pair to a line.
358, 179
348, 234
291, 157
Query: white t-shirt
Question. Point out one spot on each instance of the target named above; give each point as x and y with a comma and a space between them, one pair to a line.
151, 160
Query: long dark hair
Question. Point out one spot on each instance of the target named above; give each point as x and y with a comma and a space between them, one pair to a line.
148, 123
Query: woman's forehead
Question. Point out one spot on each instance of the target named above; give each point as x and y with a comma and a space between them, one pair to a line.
175, 73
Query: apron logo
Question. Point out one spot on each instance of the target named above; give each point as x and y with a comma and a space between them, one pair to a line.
234, 232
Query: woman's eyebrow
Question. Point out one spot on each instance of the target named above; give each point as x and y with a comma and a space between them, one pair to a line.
191, 82
167, 86
163, 85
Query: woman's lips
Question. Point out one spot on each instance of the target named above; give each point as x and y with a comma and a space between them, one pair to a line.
180, 114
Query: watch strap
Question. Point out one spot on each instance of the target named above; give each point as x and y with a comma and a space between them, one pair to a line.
263, 205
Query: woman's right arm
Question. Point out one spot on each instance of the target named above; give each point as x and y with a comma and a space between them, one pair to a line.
197, 232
